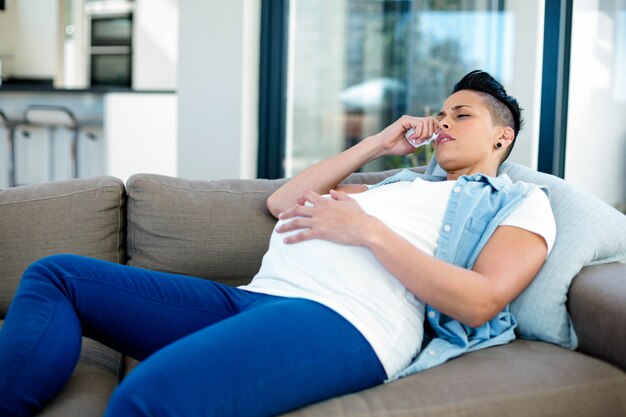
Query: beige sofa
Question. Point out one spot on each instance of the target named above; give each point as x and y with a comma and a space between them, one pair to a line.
219, 230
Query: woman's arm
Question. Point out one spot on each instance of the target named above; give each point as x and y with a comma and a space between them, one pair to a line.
506, 265
325, 175
351, 188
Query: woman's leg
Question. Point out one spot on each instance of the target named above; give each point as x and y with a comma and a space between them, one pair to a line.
264, 361
133, 310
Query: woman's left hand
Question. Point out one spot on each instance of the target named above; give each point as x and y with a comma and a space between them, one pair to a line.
338, 219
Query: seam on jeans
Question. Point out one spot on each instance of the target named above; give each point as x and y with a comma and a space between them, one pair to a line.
44, 328
70, 276
257, 297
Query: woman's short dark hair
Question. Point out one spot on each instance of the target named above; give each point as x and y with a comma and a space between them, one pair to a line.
504, 109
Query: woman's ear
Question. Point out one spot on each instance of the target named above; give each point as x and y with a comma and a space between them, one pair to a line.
507, 136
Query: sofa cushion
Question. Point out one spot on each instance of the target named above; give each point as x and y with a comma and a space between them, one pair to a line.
90, 386
172, 224
589, 232
211, 229
523, 378
80, 216
89, 389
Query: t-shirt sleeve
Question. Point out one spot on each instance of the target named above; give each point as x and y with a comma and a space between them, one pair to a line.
535, 215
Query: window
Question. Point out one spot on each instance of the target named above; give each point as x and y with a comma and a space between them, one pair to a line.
354, 66
596, 128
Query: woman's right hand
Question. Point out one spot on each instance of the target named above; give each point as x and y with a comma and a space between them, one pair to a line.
392, 139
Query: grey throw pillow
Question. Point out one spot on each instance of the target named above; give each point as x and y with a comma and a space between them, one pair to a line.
589, 232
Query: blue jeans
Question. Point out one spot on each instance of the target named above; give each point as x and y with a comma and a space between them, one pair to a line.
207, 349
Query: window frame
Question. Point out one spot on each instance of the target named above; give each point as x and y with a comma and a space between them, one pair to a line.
273, 85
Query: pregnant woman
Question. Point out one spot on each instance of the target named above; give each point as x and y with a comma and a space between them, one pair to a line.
339, 303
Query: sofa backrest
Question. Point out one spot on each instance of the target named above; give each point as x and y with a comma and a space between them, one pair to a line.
211, 229
84, 217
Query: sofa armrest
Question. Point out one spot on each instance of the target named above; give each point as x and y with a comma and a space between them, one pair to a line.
597, 305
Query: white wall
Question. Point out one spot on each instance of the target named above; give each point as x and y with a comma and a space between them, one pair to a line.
72, 56
155, 44
140, 134
7, 36
28, 30
218, 88
595, 155
525, 84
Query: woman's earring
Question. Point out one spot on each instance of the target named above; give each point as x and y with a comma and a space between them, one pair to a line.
498, 145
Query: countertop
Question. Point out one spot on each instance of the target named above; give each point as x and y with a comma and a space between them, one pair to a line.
46, 86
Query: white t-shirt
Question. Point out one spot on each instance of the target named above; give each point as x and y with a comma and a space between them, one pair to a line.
351, 280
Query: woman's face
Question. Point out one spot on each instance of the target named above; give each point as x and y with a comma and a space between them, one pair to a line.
466, 143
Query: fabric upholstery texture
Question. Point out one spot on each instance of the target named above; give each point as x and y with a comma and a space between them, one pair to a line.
212, 229
88, 391
91, 384
596, 304
81, 216
204, 228
515, 380
589, 232
220, 229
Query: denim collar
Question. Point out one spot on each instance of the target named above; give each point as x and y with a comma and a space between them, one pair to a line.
497, 183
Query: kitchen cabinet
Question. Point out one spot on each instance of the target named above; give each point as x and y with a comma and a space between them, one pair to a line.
28, 34
48, 40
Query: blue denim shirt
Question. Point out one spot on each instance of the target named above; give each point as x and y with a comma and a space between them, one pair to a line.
477, 205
